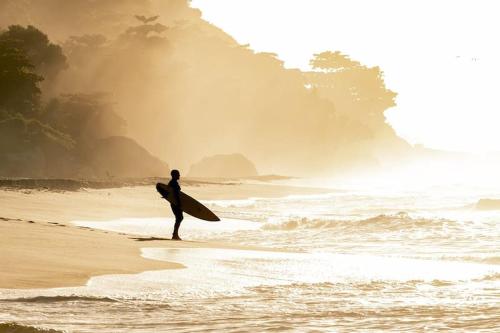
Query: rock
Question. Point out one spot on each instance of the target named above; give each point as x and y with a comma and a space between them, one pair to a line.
223, 166
488, 204
122, 157
29, 148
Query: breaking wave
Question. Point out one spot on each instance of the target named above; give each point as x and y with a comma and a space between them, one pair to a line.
490, 260
490, 277
399, 221
53, 299
18, 328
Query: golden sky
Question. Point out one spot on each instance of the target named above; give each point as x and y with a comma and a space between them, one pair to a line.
441, 57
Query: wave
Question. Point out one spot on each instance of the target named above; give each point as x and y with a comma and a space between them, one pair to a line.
491, 277
357, 287
233, 203
53, 299
493, 260
18, 328
397, 221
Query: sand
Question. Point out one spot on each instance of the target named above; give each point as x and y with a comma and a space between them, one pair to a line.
41, 248
49, 254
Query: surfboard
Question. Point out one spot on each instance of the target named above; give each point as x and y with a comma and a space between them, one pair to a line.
189, 205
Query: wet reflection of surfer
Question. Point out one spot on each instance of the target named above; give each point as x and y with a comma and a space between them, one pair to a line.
176, 207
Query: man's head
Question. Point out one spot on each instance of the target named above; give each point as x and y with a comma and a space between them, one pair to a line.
175, 174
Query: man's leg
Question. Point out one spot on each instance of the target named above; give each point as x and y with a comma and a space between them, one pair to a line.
178, 219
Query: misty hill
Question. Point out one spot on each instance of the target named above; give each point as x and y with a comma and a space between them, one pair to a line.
122, 157
223, 166
29, 148
187, 89
72, 135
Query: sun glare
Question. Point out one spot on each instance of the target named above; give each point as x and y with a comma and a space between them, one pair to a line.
438, 57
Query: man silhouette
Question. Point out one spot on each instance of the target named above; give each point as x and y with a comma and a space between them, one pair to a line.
177, 206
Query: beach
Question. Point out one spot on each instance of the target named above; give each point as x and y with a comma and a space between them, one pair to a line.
284, 257
50, 254
41, 248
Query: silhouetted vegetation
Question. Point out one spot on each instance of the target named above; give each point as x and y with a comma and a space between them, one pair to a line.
47, 58
19, 91
84, 117
63, 137
188, 90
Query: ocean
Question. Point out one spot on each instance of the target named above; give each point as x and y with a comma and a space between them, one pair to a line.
349, 260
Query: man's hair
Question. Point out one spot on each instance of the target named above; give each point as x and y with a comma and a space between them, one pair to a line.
175, 172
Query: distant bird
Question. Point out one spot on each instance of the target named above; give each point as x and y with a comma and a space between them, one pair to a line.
145, 19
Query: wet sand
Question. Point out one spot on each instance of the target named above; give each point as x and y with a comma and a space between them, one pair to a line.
41, 248
49, 254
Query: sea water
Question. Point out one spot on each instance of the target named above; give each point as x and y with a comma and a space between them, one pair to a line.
354, 260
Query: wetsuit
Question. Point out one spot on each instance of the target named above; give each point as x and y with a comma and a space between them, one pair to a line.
176, 209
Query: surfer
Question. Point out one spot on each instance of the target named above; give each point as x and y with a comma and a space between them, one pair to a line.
176, 208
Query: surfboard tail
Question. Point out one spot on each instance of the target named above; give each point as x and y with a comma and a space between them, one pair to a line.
161, 188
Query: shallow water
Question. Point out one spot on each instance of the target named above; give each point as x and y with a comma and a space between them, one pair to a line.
359, 261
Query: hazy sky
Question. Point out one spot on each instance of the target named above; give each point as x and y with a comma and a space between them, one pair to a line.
441, 57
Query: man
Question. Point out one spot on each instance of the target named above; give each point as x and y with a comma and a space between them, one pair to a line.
177, 207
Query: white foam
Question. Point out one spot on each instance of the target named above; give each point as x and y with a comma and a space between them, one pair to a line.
240, 203
210, 270
161, 226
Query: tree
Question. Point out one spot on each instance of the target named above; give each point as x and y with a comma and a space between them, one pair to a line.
86, 117
46, 57
333, 61
357, 91
19, 92
360, 97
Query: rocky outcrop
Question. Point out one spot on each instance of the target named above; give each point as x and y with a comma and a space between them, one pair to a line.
223, 166
108, 158
488, 204
122, 157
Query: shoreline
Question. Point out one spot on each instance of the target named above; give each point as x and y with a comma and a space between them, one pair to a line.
42, 248
54, 255
132, 201
74, 184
